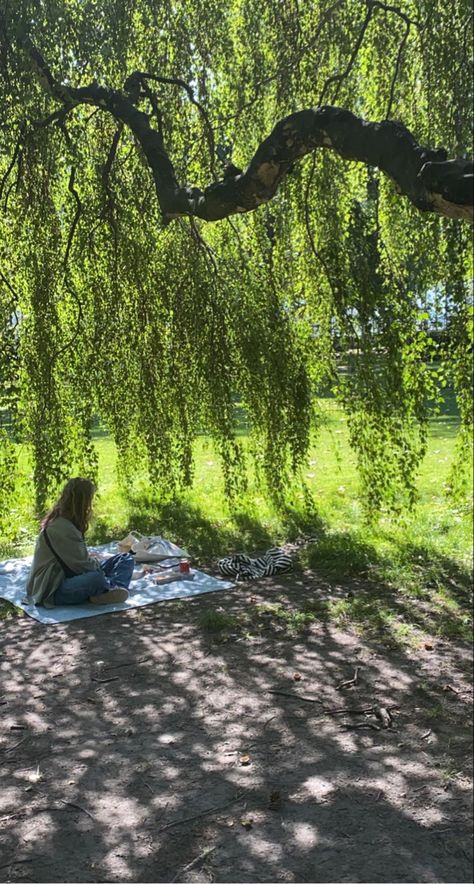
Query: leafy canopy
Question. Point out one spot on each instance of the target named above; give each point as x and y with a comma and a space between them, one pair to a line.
156, 327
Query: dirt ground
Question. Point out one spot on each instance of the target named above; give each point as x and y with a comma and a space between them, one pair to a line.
136, 747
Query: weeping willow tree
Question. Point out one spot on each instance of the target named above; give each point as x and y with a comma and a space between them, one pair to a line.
208, 200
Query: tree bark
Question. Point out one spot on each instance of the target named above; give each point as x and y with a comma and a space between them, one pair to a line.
426, 177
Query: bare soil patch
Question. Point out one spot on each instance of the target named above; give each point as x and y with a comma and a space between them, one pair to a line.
137, 747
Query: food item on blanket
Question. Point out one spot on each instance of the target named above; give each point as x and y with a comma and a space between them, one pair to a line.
172, 576
143, 572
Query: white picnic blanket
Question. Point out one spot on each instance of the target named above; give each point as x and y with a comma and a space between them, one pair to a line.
14, 574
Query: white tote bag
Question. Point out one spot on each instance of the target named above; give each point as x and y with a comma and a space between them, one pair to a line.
150, 549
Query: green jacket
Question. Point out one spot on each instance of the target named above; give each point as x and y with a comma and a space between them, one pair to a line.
46, 574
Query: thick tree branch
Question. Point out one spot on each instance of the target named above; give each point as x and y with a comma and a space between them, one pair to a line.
426, 177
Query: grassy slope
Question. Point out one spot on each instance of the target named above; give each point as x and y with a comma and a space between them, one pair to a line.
424, 562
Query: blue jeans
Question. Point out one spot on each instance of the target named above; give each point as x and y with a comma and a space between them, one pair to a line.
115, 571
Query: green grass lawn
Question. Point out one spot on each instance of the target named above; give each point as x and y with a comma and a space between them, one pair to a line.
426, 558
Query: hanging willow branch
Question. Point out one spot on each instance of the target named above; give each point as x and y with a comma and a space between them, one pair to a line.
426, 177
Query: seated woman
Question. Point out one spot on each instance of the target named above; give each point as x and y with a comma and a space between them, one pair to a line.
63, 572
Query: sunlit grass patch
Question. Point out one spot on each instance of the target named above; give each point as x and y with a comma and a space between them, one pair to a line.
407, 578
8, 610
288, 617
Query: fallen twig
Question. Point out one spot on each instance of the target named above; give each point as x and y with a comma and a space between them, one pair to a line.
15, 745
132, 663
354, 727
379, 711
104, 680
364, 711
78, 807
295, 697
196, 816
351, 681
15, 862
193, 864
67, 803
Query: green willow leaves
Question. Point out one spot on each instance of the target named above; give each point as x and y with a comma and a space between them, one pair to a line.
156, 330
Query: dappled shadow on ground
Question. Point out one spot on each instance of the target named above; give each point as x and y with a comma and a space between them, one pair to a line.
416, 589
124, 741
413, 587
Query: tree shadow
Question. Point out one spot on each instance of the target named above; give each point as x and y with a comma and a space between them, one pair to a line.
188, 526
124, 756
415, 588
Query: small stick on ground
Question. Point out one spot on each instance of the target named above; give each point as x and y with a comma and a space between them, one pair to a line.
104, 680
326, 711
365, 710
15, 745
196, 816
132, 663
15, 862
351, 681
77, 807
193, 864
296, 697
67, 803
354, 727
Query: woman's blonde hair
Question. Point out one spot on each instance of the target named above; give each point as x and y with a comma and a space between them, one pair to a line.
74, 504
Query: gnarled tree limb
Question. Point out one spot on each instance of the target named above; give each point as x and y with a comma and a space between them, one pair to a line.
426, 177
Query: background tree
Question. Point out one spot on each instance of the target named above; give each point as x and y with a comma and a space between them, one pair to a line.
124, 126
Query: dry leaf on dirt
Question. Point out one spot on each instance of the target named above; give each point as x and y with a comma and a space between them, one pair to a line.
244, 759
297, 676
246, 822
383, 715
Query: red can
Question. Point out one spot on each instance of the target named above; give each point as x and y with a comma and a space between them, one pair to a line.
184, 566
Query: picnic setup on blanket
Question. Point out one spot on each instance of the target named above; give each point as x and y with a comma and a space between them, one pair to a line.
163, 572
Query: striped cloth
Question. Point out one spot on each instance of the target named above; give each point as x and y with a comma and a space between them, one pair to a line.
241, 567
